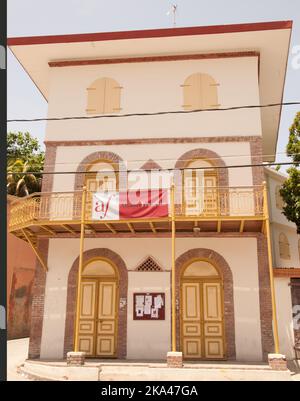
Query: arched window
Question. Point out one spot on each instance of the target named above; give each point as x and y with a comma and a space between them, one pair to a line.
200, 92
101, 176
103, 97
99, 267
284, 247
200, 268
278, 198
200, 189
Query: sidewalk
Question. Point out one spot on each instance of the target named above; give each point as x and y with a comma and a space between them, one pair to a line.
114, 370
17, 352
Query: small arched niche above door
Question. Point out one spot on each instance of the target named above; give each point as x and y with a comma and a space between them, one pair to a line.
200, 268
99, 267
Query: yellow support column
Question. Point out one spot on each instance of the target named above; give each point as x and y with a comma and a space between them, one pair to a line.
81, 246
173, 269
270, 260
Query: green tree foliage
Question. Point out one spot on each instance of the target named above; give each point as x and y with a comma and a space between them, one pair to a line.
23, 155
290, 190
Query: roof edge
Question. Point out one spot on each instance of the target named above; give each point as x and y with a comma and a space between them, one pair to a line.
149, 33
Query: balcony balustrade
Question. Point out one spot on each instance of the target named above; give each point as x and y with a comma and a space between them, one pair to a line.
208, 208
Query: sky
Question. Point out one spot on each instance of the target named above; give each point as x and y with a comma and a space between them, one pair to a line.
36, 17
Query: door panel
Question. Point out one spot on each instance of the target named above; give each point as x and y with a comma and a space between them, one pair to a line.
210, 195
212, 301
88, 293
106, 318
214, 348
86, 316
105, 346
192, 347
212, 317
191, 320
86, 344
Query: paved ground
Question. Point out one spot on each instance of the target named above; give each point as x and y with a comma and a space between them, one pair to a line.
17, 351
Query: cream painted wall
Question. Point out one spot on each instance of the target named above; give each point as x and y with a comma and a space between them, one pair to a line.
240, 254
148, 339
285, 317
153, 87
233, 153
275, 213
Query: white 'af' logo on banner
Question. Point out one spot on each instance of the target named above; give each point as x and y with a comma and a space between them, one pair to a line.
105, 206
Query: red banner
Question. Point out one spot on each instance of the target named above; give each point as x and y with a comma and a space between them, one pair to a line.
139, 204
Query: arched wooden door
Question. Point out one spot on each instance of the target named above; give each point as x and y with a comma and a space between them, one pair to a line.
98, 320
202, 312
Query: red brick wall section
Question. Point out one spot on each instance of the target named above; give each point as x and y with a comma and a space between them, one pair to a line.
208, 155
226, 273
72, 294
38, 299
94, 157
265, 302
50, 158
256, 158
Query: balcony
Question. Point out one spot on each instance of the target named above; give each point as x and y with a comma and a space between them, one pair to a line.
218, 210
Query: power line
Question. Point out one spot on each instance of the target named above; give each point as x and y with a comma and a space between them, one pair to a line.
155, 170
127, 162
159, 113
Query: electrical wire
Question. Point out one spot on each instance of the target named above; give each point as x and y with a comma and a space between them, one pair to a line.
159, 113
163, 159
156, 170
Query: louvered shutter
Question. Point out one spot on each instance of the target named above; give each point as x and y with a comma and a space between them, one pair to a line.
95, 97
208, 90
112, 96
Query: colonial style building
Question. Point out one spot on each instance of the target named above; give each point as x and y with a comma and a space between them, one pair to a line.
137, 202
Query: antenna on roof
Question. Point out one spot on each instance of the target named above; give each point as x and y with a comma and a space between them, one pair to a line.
173, 10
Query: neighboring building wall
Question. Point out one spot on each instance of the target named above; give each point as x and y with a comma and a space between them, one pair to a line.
279, 224
295, 286
284, 295
20, 275
285, 316
247, 304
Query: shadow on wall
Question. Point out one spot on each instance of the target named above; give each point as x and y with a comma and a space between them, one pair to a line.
20, 300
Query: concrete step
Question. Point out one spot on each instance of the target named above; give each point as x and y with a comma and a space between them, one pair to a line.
150, 372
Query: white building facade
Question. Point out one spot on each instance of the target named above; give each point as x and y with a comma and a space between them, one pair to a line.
222, 282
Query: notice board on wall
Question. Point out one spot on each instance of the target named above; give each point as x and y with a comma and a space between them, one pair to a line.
149, 306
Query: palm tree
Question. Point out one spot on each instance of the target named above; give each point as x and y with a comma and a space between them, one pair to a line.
22, 184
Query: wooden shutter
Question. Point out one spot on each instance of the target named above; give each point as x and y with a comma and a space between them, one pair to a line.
112, 96
278, 198
95, 97
191, 91
200, 92
209, 94
284, 247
